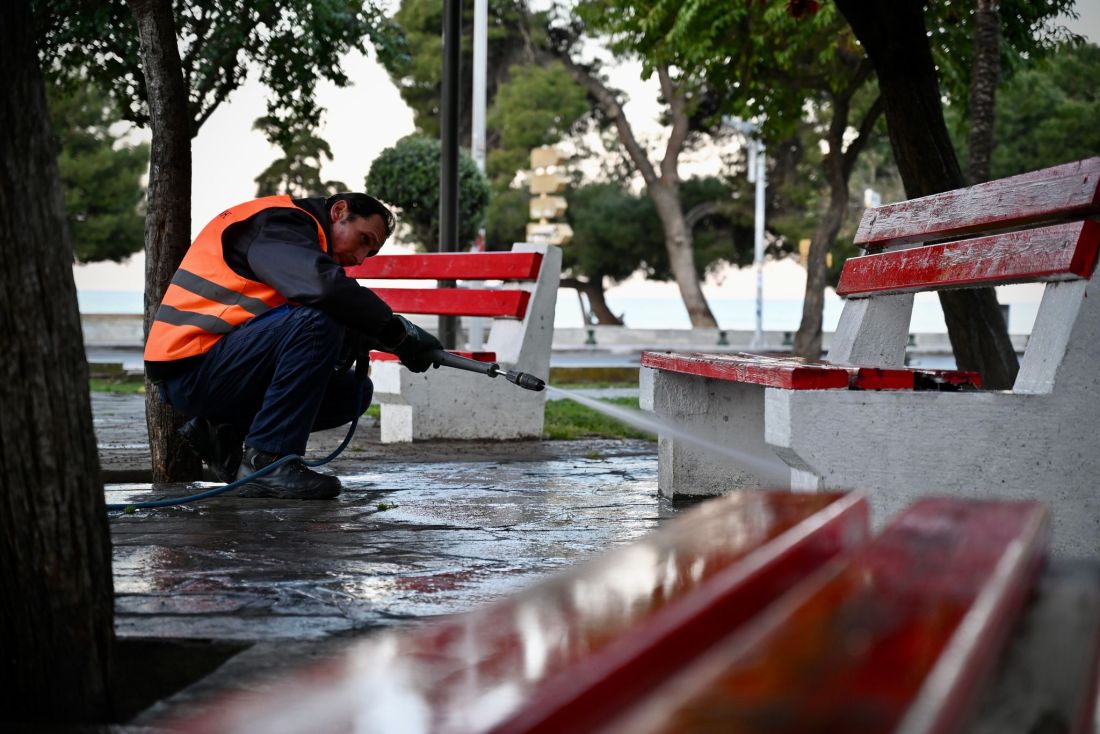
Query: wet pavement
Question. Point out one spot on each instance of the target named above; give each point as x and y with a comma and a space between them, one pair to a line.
420, 530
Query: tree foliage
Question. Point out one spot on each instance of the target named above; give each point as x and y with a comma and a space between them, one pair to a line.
293, 44
298, 172
615, 233
1048, 113
407, 176
536, 105
1029, 31
419, 74
100, 175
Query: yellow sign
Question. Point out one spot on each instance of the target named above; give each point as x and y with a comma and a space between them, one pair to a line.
548, 183
551, 234
545, 157
804, 255
548, 207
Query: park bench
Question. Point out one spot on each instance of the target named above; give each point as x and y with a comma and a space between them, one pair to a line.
758, 611
448, 403
862, 420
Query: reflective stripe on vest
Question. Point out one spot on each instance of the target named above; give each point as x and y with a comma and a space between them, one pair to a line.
206, 298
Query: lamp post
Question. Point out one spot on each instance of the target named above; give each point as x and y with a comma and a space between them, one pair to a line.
757, 173
448, 183
476, 324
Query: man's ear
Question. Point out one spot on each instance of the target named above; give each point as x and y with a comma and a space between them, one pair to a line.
338, 211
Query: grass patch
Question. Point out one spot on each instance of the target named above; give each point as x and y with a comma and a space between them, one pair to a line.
568, 420
374, 411
129, 387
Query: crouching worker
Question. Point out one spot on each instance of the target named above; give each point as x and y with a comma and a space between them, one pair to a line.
249, 332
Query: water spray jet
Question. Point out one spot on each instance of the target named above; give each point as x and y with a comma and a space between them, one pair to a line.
771, 471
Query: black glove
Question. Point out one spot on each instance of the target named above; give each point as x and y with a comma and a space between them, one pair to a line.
356, 350
414, 347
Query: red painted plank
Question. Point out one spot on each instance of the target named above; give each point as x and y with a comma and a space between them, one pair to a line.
1063, 192
875, 378
753, 369
456, 301
476, 356
1058, 252
570, 652
901, 638
452, 266
790, 372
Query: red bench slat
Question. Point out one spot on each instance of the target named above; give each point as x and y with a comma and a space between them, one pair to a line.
456, 301
750, 369
1061, 192
900, 638
577, 648
486, 357
1059, 252
794, 373
451, 266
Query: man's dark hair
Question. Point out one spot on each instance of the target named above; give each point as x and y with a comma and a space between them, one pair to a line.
364, 206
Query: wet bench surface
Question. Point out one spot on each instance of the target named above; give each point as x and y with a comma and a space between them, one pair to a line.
758, 612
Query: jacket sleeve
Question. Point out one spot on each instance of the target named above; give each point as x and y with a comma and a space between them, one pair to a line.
282, 250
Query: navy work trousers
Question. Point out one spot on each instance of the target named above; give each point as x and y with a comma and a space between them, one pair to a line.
273, 378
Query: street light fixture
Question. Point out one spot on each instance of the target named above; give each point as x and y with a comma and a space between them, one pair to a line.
757, 174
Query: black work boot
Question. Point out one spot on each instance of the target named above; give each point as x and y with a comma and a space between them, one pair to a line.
292, 481
219, 445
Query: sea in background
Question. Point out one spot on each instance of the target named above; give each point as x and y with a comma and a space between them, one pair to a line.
661, 312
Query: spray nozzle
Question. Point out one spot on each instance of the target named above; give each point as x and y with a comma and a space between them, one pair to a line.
525, 380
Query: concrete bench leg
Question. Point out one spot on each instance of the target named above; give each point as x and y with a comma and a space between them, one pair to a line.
727, 415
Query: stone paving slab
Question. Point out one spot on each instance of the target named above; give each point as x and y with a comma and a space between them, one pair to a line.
420, 530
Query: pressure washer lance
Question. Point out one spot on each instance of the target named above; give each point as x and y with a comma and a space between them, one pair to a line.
527, 381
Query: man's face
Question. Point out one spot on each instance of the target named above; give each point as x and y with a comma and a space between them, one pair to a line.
354, 238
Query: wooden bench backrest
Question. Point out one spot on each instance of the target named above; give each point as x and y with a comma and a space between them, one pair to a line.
1064, 248
902, 638
501, 303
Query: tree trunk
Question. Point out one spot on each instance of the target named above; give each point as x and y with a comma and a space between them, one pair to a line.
985, 74
681, 254
807, 341
596, 301
168, 219
56, 612
894, 37
838, 165
662, 186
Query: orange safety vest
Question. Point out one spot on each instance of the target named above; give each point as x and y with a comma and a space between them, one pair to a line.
206, 298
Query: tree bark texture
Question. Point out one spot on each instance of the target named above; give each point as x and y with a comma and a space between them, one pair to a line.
895, 39
662, 184
985, 74
168, 217
57, 604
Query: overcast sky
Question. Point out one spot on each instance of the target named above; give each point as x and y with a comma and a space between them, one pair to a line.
361, 121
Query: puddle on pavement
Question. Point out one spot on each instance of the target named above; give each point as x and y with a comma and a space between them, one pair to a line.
148, 671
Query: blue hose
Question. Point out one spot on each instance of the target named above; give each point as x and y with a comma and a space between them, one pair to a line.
132, 506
